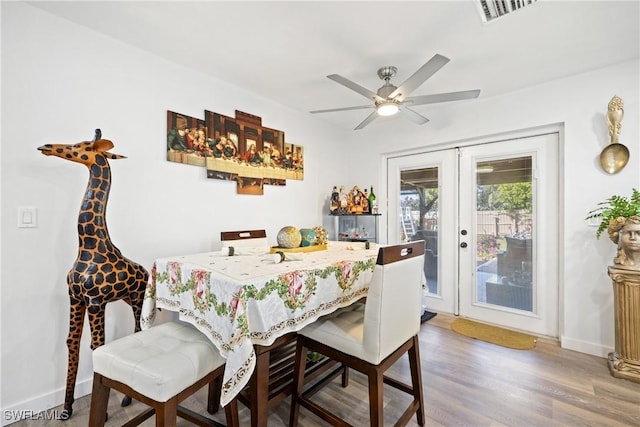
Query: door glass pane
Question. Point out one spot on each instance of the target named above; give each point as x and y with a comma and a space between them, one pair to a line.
419, 217
504, 233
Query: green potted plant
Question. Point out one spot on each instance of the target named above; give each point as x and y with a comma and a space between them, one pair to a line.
614, 212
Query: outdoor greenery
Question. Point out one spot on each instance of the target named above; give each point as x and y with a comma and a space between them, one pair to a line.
615, 207
430, 197
509, 197
506, 197
512, 198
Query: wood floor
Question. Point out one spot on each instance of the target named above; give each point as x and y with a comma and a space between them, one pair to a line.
466, 383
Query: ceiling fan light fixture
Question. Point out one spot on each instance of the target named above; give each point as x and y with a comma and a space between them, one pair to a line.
388, 108
388, 99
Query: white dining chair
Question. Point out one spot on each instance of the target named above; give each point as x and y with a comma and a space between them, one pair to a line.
373, 338
160, 367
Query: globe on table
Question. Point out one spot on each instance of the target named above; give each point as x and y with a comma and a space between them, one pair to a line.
289, 237
308, 237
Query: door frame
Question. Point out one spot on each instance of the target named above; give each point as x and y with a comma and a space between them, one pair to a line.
446, 160
557, 128
543, 318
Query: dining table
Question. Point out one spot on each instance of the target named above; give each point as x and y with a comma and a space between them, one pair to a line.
246, 300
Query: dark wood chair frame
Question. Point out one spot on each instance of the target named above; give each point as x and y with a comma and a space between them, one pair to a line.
374, 373
242, 235
166, 412
272, 379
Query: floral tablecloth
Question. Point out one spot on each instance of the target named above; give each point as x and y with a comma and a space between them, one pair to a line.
239, 301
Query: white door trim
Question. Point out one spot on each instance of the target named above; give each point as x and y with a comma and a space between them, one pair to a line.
557, 128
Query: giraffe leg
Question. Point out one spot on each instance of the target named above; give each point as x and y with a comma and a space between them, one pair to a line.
96, 321
76, 321
135, 300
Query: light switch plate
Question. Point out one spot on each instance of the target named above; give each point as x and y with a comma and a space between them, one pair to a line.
27, 217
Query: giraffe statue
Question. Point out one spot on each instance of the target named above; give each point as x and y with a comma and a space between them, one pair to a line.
100, 273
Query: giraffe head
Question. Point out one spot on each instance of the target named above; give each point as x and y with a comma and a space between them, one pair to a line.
82, 152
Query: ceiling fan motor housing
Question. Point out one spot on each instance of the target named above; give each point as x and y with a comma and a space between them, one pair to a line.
385, 73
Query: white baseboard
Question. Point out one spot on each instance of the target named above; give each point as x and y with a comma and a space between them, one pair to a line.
41, 408
585, 347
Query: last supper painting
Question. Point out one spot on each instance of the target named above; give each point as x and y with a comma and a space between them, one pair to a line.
236, 149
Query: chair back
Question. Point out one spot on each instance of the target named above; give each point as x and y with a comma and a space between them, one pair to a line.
394, 302
244, 238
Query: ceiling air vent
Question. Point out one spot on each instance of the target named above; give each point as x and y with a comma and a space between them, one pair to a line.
492, 9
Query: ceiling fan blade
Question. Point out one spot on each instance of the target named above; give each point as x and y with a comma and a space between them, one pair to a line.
413, 116
442, 97
371, 117
330, 110
355, 87
420, 76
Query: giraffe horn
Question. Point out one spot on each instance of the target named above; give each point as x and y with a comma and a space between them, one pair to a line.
113, 156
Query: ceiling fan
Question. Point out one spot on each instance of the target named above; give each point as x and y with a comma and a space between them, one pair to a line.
391, 99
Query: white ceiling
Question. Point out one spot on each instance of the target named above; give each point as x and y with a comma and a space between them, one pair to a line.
284, 50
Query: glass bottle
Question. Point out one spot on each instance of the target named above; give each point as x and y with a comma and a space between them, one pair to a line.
373, 208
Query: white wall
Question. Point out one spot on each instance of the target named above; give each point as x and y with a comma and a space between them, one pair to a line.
60, 81
579, 104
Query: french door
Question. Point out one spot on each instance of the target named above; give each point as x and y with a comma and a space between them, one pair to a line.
488, 214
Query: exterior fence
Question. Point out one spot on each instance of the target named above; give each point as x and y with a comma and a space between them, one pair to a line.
497, 223
493, 223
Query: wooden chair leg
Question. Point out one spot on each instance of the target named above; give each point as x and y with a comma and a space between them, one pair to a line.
213, 396
345, 376
298, 382
376, 406
99, 402
416, 378
259, 401
167, 413
231, 413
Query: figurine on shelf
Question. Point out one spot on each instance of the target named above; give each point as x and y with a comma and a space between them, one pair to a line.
344, 202
364, 204
358, 203
335, 200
